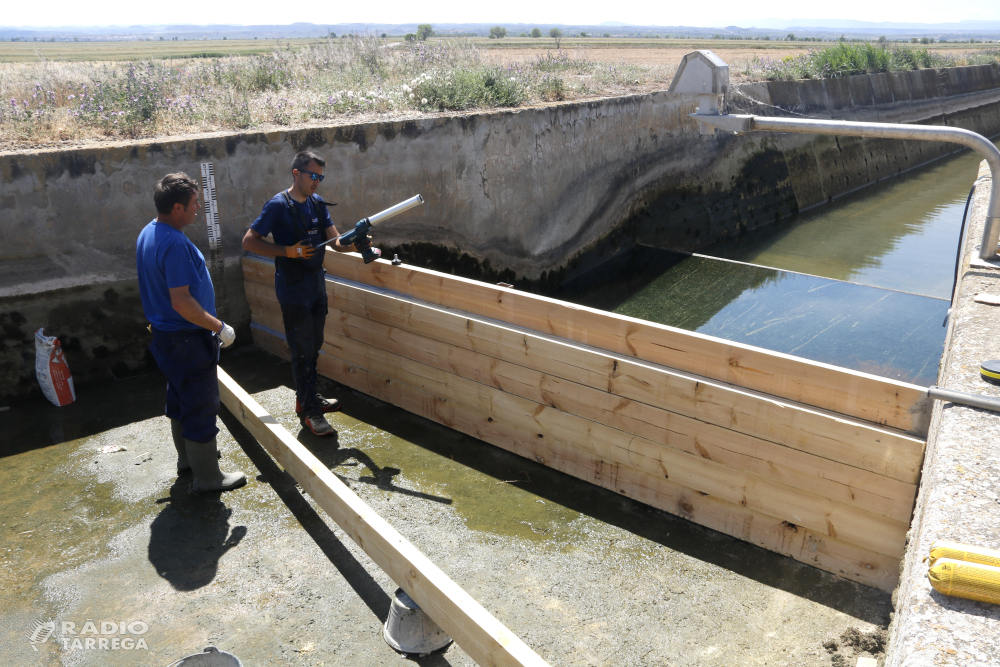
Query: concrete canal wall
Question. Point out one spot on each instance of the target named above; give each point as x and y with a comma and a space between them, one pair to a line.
510, 195
957, 499
742, 182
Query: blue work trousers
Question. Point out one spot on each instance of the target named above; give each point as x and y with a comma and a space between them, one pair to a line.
190, 360
303, 311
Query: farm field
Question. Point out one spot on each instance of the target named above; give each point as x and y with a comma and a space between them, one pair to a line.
28, 52
637, 50
65, 93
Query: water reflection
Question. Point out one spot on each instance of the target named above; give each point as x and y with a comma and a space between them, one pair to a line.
888, 333
901, 234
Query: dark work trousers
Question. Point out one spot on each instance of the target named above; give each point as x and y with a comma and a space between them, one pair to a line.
190, 360
303, 311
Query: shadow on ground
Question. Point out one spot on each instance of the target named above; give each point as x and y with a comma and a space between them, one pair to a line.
189, 536
317, 526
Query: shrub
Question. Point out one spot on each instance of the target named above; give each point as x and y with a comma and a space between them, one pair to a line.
466, 88
551, 88
845, 59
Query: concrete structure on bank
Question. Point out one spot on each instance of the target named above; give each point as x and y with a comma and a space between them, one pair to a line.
958, 495
516, 194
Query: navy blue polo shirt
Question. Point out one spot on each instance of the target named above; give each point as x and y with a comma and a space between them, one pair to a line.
276, 219
165, 259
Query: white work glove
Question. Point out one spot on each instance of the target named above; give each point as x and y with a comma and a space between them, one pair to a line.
226, 335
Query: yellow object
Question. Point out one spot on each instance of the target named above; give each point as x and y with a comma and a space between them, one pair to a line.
969, 554
971, 581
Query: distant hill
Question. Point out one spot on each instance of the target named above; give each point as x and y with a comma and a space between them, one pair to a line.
870, 26
772, 28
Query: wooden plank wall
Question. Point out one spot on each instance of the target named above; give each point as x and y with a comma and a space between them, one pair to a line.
744, 453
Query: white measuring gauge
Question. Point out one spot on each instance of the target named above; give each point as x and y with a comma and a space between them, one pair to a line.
217, 261
211, 205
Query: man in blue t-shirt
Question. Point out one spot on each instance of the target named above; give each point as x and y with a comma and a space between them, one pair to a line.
298, 221
179, 301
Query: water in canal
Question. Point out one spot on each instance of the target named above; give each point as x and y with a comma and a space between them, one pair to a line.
863, 283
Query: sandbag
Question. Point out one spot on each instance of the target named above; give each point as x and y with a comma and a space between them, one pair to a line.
971, 581
964, 552
52, 370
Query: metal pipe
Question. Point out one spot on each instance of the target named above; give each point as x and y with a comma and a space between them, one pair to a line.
963, 398
415, 200
977, 142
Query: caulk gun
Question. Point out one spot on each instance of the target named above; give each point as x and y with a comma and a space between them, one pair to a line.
359, 235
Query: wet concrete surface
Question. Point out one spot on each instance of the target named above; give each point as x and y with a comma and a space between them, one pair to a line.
582, 575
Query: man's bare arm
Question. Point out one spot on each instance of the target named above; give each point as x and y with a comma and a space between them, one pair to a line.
189, 308
254, 242
332, 233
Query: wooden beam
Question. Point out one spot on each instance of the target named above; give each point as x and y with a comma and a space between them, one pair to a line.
824, 477
868, 397
784, 537
473, 628
691, 470
849, 441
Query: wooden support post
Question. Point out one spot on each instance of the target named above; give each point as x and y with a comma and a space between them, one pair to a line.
479, 634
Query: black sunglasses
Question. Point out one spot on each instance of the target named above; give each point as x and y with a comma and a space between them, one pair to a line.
312, 176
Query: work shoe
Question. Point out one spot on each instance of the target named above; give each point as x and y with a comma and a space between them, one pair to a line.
318, 425
177, 433
326, 405
204, 458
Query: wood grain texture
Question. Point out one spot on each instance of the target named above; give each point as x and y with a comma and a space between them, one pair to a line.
835, 490
819, 476
849, 441
822, 551
868, 397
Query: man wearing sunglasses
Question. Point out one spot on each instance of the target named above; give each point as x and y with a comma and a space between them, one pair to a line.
298, 221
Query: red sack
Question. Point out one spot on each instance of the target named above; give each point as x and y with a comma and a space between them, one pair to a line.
52, 370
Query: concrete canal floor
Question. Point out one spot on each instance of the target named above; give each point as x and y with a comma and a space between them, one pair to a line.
583, 576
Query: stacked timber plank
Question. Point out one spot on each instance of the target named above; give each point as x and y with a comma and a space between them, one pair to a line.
806, 459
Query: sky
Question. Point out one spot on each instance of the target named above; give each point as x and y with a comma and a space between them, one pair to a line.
581, 12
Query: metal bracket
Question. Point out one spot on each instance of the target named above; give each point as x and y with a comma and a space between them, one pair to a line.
979, 263
730, 122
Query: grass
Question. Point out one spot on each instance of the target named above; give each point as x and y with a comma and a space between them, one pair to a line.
50, 102
168, 89
846, 59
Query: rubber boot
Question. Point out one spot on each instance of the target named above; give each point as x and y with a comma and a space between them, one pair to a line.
177, 432
204, 458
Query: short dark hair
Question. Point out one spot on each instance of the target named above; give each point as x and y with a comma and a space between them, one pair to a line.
173, 189
303, 158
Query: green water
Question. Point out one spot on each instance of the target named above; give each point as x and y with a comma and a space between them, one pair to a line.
863, 283
901, 234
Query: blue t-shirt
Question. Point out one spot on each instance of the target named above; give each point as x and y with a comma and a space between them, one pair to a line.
166, 258
277, 220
